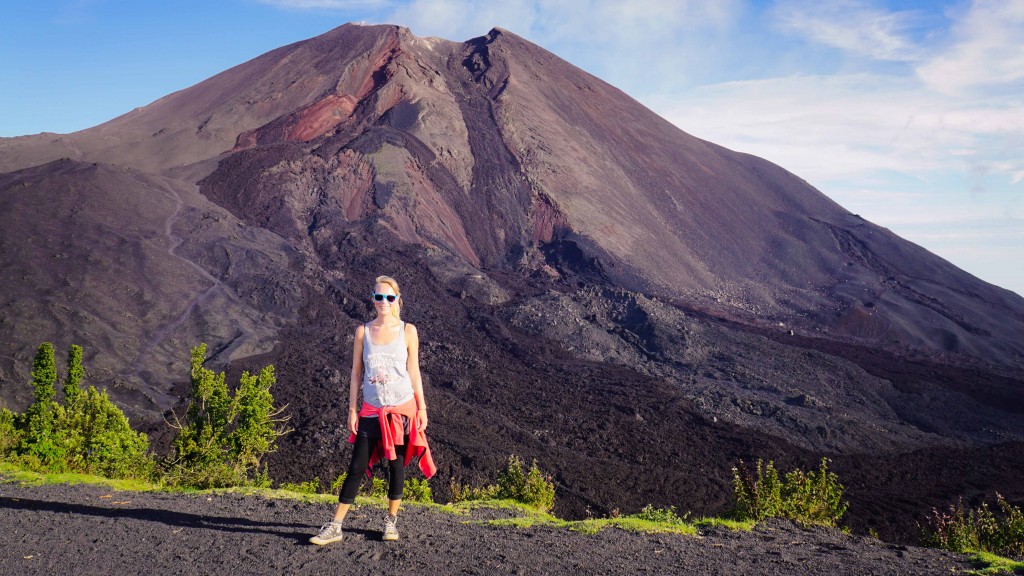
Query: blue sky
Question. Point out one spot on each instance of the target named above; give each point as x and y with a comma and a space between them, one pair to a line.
908, 113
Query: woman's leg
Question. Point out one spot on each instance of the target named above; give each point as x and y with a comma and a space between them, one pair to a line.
396, 478
366, 439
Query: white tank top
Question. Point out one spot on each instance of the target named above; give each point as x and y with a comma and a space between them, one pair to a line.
386, 379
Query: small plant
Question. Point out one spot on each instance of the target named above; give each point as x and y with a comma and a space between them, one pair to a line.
336, 485
307, 487
661, 515
9, 434
465, 492
417, 490
531, 488
96, 438
758, 493
378, 488
812, 498
978, 529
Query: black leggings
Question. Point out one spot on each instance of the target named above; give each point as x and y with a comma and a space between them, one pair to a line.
367, 438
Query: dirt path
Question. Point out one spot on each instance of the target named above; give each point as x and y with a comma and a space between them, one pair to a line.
91, 530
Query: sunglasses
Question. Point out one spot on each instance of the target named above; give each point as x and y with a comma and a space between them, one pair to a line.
381, 297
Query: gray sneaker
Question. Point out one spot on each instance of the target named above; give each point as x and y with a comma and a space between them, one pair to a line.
331, 532
390, 528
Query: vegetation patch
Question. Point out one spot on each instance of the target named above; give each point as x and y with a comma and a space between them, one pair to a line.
12, 472
225, 435
86, 433
810, 499
981, 529
530, 487
993, 564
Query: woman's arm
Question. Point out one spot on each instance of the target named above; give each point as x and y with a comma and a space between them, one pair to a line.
356, 380
412, 340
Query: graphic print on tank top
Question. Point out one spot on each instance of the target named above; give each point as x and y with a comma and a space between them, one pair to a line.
382, 375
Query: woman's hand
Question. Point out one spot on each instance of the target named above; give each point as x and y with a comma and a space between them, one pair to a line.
421, 418
353, 420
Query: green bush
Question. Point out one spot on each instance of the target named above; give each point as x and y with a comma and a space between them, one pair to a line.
378, 488
531, 488
465, 492
87, 433
812, 498
37, 437
96, 438
978, 529
661, 515
528, 487
417, 490
9, 434
224, 436
758, 493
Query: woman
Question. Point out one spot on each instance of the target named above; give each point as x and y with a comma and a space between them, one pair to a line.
391, 424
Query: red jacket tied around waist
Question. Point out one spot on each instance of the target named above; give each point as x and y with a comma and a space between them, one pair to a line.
393, 434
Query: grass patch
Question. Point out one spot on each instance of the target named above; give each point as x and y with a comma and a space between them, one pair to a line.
992, 564
734, 525
528, 517
633, 524
12, 473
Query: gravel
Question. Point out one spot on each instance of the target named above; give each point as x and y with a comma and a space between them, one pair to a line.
83, 529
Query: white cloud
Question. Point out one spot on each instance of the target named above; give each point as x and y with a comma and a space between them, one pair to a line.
643, 43
988, 51
852, 26
831, 128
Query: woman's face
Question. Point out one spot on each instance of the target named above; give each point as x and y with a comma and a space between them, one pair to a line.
383, 306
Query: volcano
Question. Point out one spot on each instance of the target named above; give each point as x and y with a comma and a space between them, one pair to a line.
634, 307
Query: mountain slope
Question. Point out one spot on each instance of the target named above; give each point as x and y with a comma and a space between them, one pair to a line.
592, 284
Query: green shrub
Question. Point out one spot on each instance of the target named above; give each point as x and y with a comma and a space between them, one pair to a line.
224, 436
37, 438
465, 492
812, 498
661, 515
96, 438
528, 487
531, 488
417, 490
378, 488
978, 529
87, 433
9, 434
758, 493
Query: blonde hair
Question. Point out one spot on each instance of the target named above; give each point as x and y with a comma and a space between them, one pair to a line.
396, 310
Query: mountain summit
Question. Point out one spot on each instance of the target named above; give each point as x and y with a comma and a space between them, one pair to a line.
555, 239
